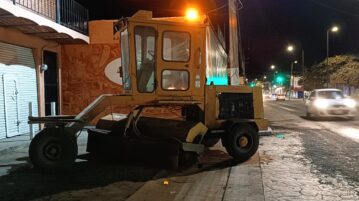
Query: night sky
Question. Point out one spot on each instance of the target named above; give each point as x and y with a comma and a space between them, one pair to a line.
267, 26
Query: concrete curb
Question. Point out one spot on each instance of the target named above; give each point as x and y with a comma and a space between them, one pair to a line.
266, 133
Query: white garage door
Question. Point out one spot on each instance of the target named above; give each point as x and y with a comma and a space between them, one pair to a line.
18, 87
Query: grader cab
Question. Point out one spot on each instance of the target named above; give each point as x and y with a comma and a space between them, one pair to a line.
166, 62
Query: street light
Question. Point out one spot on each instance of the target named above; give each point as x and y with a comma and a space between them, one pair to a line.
333, 29
290, 48
272, 67
291, 77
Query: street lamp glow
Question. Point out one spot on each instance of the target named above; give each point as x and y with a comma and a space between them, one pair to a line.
272, 67
295, 61
265, 77
335, 29
192, 14
290, 48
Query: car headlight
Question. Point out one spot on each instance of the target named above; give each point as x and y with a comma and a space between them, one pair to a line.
349, 103
321, 103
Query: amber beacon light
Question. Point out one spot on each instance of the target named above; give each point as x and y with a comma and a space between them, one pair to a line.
192, 14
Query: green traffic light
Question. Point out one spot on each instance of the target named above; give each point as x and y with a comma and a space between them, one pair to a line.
252, 84
279, 79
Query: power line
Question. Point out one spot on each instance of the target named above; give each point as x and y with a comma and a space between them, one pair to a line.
335, 9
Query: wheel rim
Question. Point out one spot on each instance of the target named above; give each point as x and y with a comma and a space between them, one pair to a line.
53, 151
244, 142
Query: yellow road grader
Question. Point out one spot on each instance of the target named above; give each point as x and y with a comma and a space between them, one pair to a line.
165, 62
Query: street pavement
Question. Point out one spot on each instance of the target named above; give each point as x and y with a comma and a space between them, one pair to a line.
301, 160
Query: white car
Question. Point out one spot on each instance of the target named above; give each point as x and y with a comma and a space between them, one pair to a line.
280, 97
330, 103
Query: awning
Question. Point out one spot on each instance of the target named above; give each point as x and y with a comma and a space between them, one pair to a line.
30, 23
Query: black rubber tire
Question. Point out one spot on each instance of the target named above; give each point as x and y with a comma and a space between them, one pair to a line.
241, 154
53, 150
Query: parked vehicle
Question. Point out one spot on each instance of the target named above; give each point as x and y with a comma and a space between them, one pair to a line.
280, 97
166, 72
330, 103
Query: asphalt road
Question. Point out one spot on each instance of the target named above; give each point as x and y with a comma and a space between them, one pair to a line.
302, 160
331, 144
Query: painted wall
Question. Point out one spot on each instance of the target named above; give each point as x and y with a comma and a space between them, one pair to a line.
83, 74
88, 71
102, 32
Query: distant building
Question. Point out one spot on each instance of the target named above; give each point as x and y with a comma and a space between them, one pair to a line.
342, 85
297, 90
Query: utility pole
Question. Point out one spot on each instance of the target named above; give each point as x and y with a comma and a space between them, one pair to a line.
291, 80
303, 70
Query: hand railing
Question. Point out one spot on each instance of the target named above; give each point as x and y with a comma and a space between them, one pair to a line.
68, 13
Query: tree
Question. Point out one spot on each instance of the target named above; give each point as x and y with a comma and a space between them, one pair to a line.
340, 69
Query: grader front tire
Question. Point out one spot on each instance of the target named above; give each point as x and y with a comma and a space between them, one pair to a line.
242, 142
53, 150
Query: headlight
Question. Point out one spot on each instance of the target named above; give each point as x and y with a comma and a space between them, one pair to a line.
349, 103
321, 103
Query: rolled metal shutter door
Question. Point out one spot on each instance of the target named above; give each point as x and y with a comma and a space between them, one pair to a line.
18, 87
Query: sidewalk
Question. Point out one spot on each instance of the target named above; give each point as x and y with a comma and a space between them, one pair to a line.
8, 144
11, 143
14, 151
279, 171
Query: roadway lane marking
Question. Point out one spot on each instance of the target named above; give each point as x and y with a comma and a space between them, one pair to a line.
288, 109
291, 105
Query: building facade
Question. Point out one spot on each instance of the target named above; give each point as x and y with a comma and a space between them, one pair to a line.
32, 33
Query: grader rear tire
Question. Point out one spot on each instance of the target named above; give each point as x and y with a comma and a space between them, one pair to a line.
242, 142
53, 150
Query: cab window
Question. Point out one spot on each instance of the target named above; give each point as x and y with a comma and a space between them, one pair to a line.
175, 80
145, 58
176, 46
125, 60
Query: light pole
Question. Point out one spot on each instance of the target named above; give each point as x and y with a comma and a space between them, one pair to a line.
333, 29
303, 73
272, 67
291, 77
290, 49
